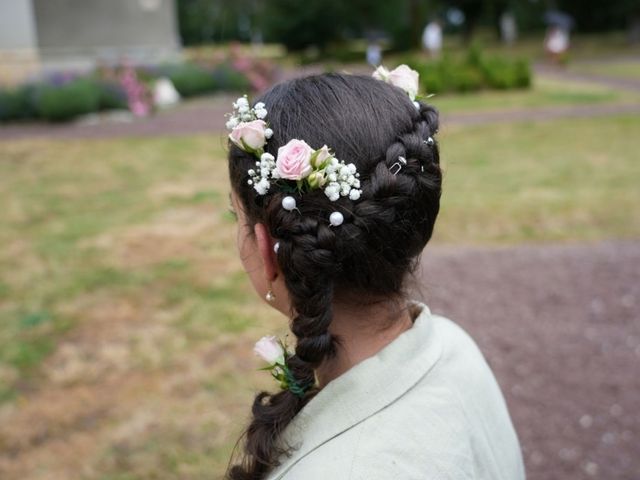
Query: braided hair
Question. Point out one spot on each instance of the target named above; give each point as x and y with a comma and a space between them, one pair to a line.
371, 124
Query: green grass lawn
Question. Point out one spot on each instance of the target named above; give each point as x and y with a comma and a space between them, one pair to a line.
624, 69
545, 92
126, 321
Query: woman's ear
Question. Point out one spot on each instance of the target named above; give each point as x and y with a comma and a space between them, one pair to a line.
265, 247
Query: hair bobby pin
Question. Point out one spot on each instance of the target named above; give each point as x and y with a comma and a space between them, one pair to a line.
396, 167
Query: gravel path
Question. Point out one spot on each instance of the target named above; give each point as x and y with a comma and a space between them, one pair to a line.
560, 326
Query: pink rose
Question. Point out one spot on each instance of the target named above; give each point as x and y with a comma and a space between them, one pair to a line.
270, 350
249, 136
293, 160
406, 79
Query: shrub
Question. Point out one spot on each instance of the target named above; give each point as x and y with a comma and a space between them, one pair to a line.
190, 79
226, 78
460, 77
474, 72
112, 96
60, 103
17, 103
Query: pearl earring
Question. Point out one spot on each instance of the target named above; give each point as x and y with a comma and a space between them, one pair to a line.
270, 296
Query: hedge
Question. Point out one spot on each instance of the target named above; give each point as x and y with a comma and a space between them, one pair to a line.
474, 72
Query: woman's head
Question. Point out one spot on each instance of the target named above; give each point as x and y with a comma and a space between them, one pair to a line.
367, 258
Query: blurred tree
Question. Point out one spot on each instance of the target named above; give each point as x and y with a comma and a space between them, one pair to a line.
598, 15
301, 24
208, 21
322, 23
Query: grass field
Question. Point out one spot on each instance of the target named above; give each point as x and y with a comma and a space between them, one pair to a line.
545, 92
627, 69
126, 321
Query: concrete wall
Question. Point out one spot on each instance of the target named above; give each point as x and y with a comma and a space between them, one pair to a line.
17, 28
18, 41
106, 28
41, 36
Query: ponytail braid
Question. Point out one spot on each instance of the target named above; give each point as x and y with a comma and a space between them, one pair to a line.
306, 258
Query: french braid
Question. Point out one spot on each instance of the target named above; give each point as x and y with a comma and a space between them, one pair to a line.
369, 255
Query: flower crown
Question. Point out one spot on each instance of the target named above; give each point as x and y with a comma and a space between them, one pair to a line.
298, 167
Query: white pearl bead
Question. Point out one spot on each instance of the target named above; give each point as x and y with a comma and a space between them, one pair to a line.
417, 105
276, 247
288, 203
336, 219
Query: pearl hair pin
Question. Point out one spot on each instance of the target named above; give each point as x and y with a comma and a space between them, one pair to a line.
289, 203
336, 219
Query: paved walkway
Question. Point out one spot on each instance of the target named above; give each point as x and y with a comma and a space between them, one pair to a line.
560, 326
207, 115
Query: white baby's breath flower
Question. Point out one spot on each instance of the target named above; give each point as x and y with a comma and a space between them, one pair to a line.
354, 194
262, 186
261, 113
232, 123
243, 109
242, 102
259, 106
332, 177
267, 157
332, 191
268, 133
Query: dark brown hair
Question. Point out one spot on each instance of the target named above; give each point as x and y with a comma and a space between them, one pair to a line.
371, 124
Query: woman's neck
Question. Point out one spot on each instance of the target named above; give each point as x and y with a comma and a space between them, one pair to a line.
361, 334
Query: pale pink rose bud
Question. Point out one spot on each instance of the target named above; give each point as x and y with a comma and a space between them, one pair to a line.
270, 350
381, 73
320, 156
406, 79
249, 135
316, 179
293, 162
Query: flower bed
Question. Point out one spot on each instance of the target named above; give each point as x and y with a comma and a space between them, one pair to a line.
62, 97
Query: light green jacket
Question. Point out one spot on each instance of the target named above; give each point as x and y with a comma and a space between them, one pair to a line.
426, 406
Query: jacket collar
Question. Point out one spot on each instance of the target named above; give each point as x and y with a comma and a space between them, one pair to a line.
363, 390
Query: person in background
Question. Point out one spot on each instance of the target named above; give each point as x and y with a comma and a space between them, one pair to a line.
432, 38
